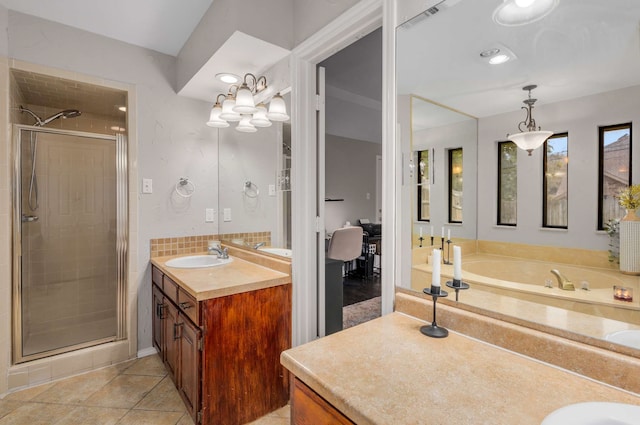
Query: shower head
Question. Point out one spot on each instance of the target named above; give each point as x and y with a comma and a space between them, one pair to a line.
67, 113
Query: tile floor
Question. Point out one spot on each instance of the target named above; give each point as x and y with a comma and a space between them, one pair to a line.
137, 392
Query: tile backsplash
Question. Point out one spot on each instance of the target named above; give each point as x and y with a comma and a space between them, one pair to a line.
192, 244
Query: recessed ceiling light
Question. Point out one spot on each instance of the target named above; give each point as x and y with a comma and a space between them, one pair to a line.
122, 108
498, 59
228, 78
489, 53
513, 13
497, 55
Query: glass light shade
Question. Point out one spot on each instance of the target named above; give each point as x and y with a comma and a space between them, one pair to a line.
244, 101
530, 140
516, 12
227, 110
214, 117
277, 109
260, 116
245, 125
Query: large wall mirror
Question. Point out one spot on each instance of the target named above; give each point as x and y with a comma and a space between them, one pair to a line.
462, 68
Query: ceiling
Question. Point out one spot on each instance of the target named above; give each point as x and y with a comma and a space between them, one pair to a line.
160, 25
583, 47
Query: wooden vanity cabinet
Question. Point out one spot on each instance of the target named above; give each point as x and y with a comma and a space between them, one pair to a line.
223, 354
307, 407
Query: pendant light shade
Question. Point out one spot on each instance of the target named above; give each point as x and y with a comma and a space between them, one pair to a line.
214, 117
260, 116
277, 109
245, 125
244, 101
228, 114
533, 137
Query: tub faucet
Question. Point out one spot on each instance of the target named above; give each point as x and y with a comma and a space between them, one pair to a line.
258, 245
563, 282
222, 253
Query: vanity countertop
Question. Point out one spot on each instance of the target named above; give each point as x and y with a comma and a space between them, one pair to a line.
386, 372
233, 278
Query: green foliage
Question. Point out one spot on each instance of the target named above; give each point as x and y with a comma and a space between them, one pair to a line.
612, 227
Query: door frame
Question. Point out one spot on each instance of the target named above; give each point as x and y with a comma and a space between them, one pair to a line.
361, 19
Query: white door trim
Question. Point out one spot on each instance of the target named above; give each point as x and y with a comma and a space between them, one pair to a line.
356, 22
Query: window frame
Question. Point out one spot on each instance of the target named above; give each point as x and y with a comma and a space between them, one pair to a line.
499, 209
544, 181
601, 132
450, 153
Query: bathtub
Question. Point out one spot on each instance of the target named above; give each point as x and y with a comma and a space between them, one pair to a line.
525, 280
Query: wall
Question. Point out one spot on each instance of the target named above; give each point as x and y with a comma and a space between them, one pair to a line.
442, 139
309, 16
580, 118
351, 175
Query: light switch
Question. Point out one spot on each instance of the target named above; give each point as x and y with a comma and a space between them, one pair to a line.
272, 190
227, 214
209, 214
147, 186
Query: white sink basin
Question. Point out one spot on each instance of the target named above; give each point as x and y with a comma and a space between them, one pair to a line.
283, 252
628, 337
595, 413
197, 261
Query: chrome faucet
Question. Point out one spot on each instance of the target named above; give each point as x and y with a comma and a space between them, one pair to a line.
222, 253
563, 282
259, 244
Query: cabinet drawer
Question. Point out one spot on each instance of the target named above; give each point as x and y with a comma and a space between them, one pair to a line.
189, 306
156, 276
170, 289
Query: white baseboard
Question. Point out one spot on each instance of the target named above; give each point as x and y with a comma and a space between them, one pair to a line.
149, 351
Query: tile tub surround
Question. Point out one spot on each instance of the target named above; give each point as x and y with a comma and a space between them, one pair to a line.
134, 392
604, 365
386, 372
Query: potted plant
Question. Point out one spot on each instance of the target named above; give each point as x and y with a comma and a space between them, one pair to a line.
629, 198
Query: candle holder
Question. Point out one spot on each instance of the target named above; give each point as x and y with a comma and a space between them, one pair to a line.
420, 239
442, 244
622, 293
448, 257
431, 240
457, 284
433, 330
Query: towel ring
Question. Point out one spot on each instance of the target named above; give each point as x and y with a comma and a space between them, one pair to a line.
250, 190
185, 187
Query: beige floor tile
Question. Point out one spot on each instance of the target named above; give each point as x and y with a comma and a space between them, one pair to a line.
271, 420
8, 406
283, 412
163, 397
123, 391
148, 417
93, 415
29, 393
150, 365
78, 388
186, 420
36, 414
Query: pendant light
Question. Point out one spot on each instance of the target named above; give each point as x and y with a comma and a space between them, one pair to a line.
531, 138
260, 116
214, 117
277, 109
228, 114
245, 125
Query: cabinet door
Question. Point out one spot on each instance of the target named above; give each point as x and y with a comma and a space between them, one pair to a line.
190, 366
171, 339
158, 316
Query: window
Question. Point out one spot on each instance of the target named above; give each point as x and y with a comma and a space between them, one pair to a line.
615, 170
507, 183
424, 186
455, 185
554, 181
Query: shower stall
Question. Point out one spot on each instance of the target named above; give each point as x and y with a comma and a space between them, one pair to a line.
69, 239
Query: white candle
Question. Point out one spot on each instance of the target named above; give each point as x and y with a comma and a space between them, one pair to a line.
420, 231
435, 267
457, 263
448, 234
431, 231
442, 233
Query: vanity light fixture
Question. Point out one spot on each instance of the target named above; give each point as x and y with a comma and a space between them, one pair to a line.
513, 13
239, 105
531, 138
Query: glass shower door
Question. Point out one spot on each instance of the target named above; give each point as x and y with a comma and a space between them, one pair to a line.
69, 284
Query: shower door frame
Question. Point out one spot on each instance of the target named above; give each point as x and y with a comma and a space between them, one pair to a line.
122, 238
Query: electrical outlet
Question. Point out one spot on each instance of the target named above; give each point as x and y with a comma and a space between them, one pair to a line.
368, 195
147, 186
209, 214
272, 190
227, 214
